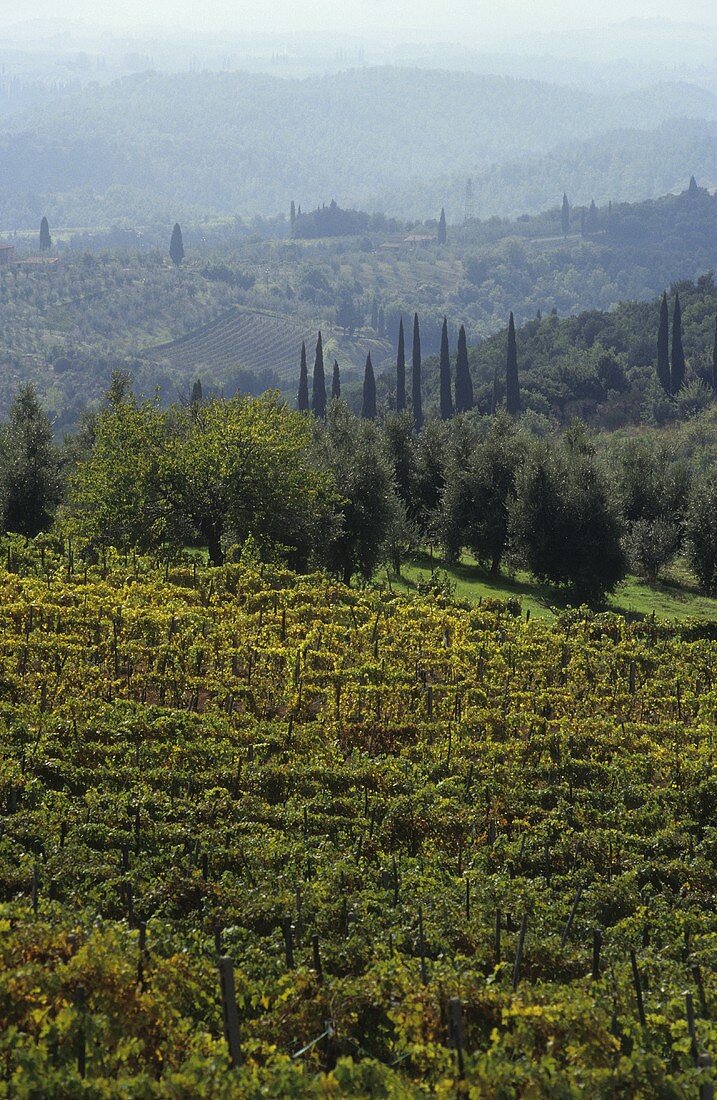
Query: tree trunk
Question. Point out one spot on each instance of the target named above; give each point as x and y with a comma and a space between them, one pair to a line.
214, 547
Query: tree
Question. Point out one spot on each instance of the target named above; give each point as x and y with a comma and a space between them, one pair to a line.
512, 386
714, 360
565, 216
401, 369
651, 545
701, 533
318, 388
303, 398
561, 523
29, 467
240, 467
442, 231
176, 246
292, 213
416, 376
663, 347
475, 506
693, 188
196, 396
677, 373
115, 493
336, 382
464, 383
431, 452
381, 323
45, 238
647, 483
401, 449
347, 314
368, 407
446, 401
354, 453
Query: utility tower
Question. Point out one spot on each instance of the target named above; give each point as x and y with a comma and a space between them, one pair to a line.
469, 201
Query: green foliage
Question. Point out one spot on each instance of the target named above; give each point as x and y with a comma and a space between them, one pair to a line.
230, 746
176, 246
368, 404
318, 389
30, 473
464, 383
45, 238
416, 382
479, 491
701, 532
224, 471
512, 386
446, 401
354, 452
561, 523
651, 545
302, 402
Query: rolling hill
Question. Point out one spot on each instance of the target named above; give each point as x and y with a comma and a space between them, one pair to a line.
207, 144
263, 343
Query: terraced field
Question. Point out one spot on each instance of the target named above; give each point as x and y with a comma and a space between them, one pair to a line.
261, 342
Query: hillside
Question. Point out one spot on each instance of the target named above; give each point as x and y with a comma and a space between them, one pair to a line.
428, 841
219, 144
237, 311
261, 343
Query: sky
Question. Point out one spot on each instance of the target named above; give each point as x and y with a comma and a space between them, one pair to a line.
473, 20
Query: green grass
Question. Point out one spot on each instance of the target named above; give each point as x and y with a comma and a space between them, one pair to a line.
675, 598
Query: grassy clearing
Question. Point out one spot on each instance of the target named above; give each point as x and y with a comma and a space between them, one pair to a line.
675, 598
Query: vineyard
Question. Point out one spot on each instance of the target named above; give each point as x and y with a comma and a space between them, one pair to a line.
256, 340
264, 835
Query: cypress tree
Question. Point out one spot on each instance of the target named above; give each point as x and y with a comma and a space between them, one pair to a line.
368, 408
416, 376
678, 354
176, 245
318, 388
336, 381
714, 361
401, 370
303, 399
464, 383
292, 213
442, 230
196, 398
512, 386
565, 216
445, 375
663, 347
45, 238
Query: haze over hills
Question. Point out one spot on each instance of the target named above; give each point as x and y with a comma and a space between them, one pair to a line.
219, 144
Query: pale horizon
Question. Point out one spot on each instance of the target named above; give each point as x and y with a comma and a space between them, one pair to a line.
477, 24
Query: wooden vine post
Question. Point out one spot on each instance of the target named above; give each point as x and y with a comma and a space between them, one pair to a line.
230, 1012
